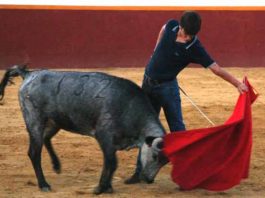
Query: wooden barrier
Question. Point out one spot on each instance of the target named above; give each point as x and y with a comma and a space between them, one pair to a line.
82, 37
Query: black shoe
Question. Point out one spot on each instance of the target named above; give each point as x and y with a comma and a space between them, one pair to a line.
134, 179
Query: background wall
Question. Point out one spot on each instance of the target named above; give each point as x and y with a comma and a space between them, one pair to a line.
121, 38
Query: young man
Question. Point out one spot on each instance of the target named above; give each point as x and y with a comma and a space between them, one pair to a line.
177, 46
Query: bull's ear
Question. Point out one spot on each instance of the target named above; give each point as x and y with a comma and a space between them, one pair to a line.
149, 140
160, 145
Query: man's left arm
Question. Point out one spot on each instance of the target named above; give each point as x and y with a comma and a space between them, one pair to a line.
219, 71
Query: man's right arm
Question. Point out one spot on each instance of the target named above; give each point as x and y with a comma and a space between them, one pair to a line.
161, 33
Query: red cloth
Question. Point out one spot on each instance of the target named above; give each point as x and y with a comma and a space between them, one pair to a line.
214, 158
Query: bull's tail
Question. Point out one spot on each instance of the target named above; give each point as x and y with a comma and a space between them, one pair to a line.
16, 70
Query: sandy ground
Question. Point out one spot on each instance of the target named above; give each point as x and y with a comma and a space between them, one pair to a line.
81, 157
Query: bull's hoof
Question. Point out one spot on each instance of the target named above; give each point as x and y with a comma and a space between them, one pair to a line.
46, 189
57, 167
57, 170
98, 190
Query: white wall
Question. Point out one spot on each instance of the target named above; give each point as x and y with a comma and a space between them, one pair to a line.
138, 2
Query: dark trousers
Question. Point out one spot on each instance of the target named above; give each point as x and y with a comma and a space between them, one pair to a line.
164, 95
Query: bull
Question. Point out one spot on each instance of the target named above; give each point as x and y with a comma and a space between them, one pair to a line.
113, 110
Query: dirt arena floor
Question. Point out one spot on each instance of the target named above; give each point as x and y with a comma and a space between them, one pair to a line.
81, 157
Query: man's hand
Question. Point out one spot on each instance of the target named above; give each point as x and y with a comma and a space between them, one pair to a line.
242, 88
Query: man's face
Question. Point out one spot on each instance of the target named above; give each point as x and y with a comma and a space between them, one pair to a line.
185, 36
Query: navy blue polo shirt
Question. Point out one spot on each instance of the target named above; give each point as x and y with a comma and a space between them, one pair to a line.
170, 57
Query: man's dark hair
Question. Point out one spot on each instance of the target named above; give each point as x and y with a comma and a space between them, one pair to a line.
191, 22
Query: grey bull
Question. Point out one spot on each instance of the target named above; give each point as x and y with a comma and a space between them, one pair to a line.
114, 111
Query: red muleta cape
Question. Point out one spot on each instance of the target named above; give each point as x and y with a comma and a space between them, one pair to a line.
214, 158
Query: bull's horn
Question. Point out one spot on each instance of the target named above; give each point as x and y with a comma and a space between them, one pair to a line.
156, 143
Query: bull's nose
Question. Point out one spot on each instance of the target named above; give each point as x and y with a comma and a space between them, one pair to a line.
147, 180
150, 181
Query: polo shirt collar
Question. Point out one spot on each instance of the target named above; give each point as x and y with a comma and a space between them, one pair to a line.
191, 43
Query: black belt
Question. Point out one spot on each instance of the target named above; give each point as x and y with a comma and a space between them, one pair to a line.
151, 81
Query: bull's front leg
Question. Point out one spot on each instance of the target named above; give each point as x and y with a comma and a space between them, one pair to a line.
109, 167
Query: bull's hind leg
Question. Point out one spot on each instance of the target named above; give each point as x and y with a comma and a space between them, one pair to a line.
50, 130
34, 153
35, 125
109, 167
